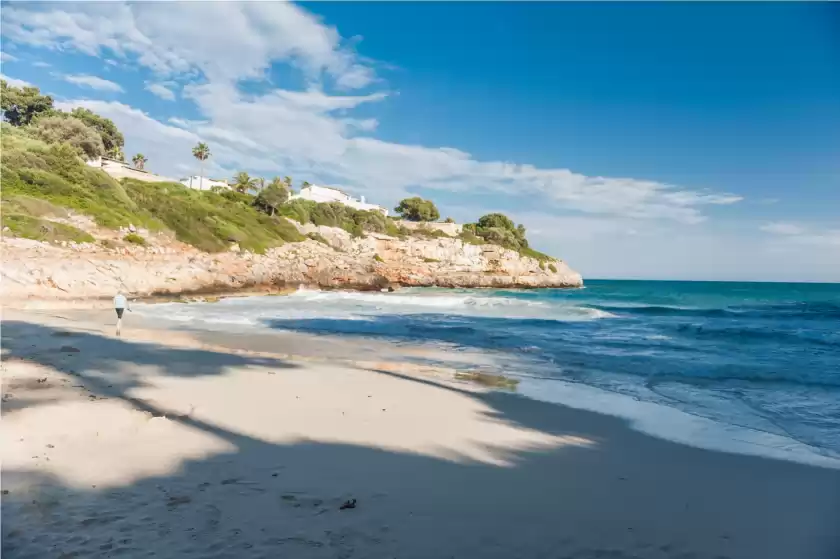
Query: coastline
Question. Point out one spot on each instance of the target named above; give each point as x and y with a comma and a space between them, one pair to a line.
162, 420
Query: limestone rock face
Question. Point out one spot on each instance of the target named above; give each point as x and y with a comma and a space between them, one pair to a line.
35, 270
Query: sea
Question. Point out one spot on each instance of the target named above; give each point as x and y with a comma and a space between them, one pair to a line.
741, 367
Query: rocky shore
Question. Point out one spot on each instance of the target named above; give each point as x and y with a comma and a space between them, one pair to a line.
35, 271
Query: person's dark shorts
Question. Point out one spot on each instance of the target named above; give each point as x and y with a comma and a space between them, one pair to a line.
120, 313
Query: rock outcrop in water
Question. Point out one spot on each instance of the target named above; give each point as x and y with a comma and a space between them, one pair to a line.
35, 270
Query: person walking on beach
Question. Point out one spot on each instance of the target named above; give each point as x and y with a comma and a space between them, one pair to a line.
120, 304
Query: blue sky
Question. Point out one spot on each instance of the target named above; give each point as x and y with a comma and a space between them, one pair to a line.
671, 140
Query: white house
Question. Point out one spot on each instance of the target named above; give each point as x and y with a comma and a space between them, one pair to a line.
198, 182
323, 194
123, 170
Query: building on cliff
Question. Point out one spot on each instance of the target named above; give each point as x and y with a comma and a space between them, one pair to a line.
323, 194
198, 182
122, 170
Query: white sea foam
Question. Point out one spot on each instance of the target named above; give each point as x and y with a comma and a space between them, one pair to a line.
674, 424
313, 304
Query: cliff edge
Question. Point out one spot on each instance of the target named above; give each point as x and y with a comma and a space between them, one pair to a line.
330, 258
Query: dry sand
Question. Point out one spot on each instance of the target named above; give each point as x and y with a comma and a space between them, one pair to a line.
163, 444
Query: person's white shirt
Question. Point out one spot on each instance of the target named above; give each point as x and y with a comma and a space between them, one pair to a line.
120, 302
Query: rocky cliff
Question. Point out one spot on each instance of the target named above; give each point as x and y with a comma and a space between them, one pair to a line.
36, 270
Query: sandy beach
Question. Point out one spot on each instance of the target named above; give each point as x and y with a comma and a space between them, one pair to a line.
168, 443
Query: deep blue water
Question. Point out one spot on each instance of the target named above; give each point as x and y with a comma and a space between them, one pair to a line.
765, 356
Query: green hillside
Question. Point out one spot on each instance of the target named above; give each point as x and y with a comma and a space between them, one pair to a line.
44, 176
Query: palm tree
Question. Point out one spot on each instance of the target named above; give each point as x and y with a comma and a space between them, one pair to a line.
139, 161
116, 153
259, 184
242, 182
202, 153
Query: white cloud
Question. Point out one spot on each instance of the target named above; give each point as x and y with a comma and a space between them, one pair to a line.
175, 38
781, 228
14, 82
797, 234
309, 133
41, 64
93, 82
161, 90
6, 57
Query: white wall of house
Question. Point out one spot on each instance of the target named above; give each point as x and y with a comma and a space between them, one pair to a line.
324, 194
123, 170
198, 182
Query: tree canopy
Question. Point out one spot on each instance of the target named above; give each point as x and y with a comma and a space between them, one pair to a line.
139, 161
105, 127
417, 209
272, 196
22, 104
499, 229
243, 182
201, 151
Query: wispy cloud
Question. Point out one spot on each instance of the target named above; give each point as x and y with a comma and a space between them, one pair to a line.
6, 57
41, 64
93, 82
792, 232
161, 90
14, 82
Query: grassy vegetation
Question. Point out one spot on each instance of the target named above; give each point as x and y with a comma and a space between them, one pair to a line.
30, 227
40, 179
378, 258
335, 214
430, 260
208, 220
536, 255
135, 239
553, 268
488, 379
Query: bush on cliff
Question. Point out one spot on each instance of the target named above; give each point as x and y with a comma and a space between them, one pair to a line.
499, 229
417, 209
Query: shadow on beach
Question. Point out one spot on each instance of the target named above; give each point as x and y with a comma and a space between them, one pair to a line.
621, 495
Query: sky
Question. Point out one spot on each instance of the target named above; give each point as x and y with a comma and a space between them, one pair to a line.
633, 140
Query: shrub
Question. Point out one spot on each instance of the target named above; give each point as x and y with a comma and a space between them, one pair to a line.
553, 268
430, 260
418, 209
57, 129
378, 258
135, 239
427, 233
449, 220
318, 237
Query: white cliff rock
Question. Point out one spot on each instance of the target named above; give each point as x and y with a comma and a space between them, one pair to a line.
35, 270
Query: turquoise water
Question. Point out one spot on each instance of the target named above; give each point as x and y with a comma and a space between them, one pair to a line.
764, 357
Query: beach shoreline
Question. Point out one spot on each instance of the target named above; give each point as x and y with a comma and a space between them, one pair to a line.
214, 445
